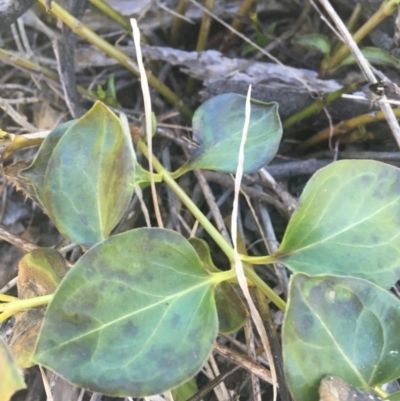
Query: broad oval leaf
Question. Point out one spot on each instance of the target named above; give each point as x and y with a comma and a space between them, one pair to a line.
342, 326
35, 173
40, 273
218, 127
11, 378
348, 223
232, 313
135, 316
88, 182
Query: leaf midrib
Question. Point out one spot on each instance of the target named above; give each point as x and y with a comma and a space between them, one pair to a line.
339, 348
208, 281
326, 239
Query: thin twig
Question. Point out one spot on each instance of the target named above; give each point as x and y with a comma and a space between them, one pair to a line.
213, 383
173, 201
345, 126
12, 283
244, 362
138, 190
227, 182
214, 209
272, 245
209, 372
237, 262
16, 116
24, 37
364, 65
223, 390
147, 111
13, 239
251, 352
16, 38
46, 385
247, 40
86, 33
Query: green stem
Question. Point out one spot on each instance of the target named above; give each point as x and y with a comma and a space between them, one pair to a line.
244, 9
177, 22
212, 231
14, 307
114, 15
86, 33
259, 260
354, 17
202, 39
7, 298
223, 276
387, 8
351, 23
380, 392
318, 105
225, 247
22, 304
343, 127
264, 288
180, 171
205, 27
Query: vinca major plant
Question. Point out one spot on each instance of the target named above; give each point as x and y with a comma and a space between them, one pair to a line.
139, 312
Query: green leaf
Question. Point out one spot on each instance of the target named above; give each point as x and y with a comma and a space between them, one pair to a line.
394, 396
185, 391
40, 273
348, 223
314, 41
135, 316
109, 96
35, 173
342, 326
232, 313
90, 177
218, 128
374, 55
204, 253
11, 378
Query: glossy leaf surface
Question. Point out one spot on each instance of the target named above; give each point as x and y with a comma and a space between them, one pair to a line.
342, 326
135, 316
348, 223
232, 312
11, 378
218, 127
89, 178
40, 273
35, 173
